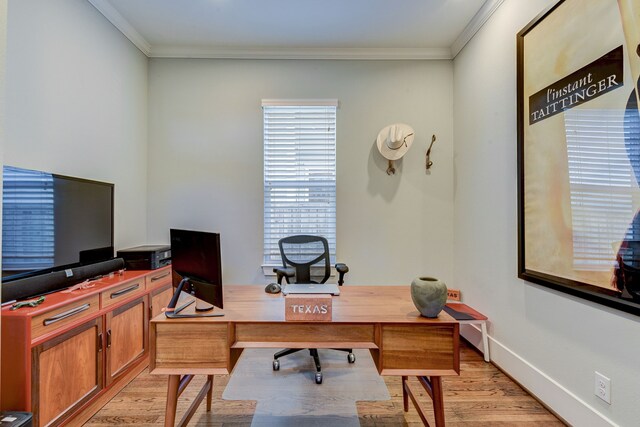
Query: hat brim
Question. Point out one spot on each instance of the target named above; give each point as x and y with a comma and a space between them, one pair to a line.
390, 153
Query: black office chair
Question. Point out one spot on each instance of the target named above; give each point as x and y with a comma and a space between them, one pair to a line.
299, 254
629, 278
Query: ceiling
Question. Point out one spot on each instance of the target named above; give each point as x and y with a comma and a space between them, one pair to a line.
340, 29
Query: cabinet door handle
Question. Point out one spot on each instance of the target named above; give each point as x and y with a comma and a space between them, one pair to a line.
64, 315
153, 279
125, 291
99, 342
109, 338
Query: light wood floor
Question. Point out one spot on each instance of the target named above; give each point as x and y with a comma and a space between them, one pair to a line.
481, 396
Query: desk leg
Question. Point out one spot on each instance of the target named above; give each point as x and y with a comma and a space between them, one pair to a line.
209, 393
177, 384
172, 401
438, 401
433, 387
405, 395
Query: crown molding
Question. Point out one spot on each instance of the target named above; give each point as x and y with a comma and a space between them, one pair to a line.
302, 53
113, 16
482, 16
122, 24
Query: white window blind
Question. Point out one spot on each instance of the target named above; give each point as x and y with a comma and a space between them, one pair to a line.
27, 220
299, 172
602, 184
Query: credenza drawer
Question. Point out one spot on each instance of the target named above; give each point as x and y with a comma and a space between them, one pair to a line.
51, 320
122, 292
158, 279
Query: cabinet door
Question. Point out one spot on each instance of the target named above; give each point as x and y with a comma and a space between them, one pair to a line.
66, 373
127, 336
160, 299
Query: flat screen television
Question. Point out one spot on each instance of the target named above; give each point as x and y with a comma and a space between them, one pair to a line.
53, 222
197, 269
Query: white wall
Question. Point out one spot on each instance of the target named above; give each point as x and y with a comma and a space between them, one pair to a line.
551, 342
205, 159
3, 51
77, 103
3, 55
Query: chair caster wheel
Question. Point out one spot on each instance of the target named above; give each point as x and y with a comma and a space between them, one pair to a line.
276, 365
351, 358
318, 377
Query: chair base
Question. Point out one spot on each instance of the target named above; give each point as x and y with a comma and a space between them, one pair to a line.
313, 352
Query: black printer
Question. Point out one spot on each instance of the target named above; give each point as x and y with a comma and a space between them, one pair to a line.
148, 257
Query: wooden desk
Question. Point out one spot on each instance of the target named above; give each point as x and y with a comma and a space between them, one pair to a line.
382, 319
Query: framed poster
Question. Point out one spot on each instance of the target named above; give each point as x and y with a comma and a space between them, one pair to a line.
579, 151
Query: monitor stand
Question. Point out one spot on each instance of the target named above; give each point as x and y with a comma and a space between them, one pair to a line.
173, 312
203, 306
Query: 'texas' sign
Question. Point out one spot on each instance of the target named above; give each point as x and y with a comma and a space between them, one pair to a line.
316, 308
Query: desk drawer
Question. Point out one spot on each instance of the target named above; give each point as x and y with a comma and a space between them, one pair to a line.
122, 292
192, 347
419, 350
54, 319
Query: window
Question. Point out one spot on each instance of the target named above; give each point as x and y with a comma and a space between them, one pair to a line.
602, 183
27, 220
299, 172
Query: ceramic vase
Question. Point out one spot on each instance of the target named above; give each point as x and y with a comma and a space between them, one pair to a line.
429, 295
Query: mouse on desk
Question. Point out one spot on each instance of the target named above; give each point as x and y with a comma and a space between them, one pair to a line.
272, 288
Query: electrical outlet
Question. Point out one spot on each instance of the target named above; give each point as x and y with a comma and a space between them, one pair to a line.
603, 387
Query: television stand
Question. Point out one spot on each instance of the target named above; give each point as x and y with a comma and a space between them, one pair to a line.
99, 334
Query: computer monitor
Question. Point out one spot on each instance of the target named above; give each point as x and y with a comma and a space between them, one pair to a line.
197, 270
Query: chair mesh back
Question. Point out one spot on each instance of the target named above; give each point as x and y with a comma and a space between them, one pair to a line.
304, 252
631, 279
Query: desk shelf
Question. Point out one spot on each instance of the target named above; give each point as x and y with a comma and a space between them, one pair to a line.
304, 344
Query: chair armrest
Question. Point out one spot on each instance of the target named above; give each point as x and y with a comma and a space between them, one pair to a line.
286, 272
342, 269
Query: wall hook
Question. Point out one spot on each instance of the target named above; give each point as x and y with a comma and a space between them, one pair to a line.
428, 161
391, 170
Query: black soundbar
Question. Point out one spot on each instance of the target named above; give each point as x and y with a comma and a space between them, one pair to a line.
51, 282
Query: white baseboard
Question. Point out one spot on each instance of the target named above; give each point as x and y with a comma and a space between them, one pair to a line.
559, 399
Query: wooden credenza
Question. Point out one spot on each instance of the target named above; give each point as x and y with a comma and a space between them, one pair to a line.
65, 358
